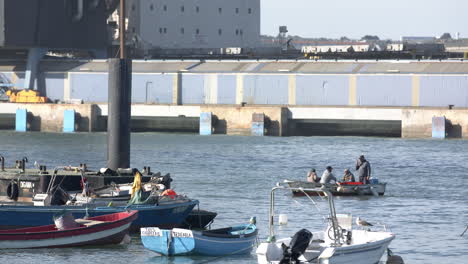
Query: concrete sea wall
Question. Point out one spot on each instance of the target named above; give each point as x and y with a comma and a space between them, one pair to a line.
407, 122
417, 123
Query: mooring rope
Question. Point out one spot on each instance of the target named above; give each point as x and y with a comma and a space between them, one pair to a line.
466, 229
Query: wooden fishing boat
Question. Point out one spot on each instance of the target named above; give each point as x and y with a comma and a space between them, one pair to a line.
374, 188
100, 230
164, 212
234, 240
164, 216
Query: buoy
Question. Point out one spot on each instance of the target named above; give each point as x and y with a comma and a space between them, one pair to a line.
283, 219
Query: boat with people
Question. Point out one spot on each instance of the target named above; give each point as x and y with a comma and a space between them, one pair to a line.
235, 240
167, 212
374, 187
337, 243
69, 232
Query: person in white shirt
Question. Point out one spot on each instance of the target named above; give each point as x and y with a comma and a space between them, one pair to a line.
327, 176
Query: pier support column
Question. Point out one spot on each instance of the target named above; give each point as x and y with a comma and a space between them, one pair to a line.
118, 122
32, 65
177, 89
67, 88
352, 97
292, 90
258, 124
240, 89
211, 89
415, 84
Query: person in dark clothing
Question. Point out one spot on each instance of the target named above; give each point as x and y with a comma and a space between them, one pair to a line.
363, 169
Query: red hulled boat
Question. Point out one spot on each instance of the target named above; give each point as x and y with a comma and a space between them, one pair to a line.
99, 230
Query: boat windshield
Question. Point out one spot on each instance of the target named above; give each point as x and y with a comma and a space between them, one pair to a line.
334, 230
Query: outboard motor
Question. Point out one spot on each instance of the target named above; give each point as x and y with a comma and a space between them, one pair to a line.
166, 181
297, 247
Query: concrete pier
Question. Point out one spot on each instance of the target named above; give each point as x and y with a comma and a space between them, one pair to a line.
49, 117
406, 122
417, 123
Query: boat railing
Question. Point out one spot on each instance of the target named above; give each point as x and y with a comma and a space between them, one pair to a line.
62, 168
333, 221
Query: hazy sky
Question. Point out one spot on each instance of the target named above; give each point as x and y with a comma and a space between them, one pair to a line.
356, 18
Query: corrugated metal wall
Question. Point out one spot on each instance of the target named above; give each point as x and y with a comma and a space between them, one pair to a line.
311, 89
384, 90
227, 89
152, 88
266, 89
54, 84
193, 89
443, 91
89, 87
322, 90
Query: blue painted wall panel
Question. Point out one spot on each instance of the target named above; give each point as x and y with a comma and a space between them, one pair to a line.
90, 87
21, 123
384, 90
443, 91
69, 121
193, 89
266, 89
206, 123
438, 127
227, 89
322, 90
152, 88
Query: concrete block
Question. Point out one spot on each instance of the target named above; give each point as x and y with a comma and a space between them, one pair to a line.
206, 123
69, 121
258, 124
21, 120
439, 128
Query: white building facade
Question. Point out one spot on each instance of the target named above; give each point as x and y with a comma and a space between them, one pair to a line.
194, 24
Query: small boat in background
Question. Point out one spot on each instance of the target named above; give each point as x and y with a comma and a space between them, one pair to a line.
374, 188
234, 240
100, 230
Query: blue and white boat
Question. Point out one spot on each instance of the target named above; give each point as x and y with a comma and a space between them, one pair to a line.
234, 240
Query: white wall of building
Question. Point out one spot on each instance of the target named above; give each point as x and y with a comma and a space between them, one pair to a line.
195, 23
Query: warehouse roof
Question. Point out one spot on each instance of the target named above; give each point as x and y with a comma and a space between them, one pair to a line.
253, 66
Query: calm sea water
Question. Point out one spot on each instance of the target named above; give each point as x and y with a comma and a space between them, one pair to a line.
426, 203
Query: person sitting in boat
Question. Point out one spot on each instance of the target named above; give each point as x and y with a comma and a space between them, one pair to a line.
327, 176
364, 169
348, 176
312, 176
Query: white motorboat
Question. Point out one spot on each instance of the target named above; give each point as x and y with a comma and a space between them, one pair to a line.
337, 244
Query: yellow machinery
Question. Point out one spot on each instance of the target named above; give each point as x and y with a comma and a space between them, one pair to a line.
25, 96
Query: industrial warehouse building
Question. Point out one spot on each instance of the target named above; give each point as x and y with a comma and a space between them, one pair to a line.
308, 83
194, 24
